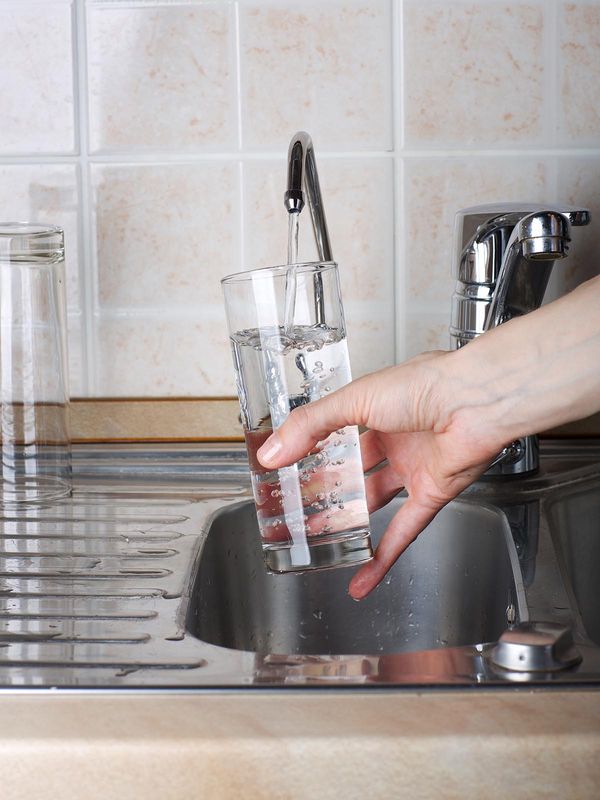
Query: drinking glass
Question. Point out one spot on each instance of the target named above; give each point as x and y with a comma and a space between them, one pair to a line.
288, 341
34, 396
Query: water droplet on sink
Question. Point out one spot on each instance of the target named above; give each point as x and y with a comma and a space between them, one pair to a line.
317, 614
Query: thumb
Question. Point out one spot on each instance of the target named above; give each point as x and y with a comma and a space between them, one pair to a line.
307, 425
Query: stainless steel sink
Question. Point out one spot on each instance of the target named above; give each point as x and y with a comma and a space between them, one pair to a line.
459, 583
151, 575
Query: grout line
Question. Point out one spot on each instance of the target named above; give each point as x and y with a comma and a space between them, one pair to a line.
240, 205
399, 264
87, 274
551, 56
68, 158
133, 158
214, 311
238, 75
147, 3
241, 212
148, 313
398, 72
529, 152
551, 89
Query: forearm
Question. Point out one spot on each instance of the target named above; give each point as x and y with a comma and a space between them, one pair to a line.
532, 373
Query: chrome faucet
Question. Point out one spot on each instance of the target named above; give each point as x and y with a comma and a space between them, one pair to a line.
503, 259
302, 174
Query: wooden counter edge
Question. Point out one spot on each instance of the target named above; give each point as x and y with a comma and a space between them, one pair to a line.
210, 419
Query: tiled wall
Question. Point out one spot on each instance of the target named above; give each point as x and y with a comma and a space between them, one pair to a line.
155, 133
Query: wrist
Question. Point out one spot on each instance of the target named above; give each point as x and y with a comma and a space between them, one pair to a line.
473, 395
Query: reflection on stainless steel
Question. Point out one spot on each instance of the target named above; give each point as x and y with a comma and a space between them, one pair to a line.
450, 588
503, 259
131, 584
524, 521
574, 520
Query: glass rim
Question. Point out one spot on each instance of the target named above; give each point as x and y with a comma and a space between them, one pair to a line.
12, 229
32, 243
277, 271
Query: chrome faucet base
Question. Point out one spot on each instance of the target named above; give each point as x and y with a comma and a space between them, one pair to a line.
520, 457
503, 260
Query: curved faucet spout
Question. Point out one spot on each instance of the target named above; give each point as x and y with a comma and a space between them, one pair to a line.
303, 177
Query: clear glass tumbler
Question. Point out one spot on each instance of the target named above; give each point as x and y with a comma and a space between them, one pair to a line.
289, 348
34, 395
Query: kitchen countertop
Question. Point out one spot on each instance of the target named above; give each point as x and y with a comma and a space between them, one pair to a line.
298, 744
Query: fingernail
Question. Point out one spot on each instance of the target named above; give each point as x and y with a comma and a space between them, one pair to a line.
270, 449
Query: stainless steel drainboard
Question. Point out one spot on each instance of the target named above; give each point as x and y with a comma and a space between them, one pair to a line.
128, 584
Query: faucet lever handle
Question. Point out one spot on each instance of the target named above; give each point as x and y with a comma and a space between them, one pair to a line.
482, 234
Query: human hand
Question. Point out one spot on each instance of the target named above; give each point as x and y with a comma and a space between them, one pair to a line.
433, 450
440, 419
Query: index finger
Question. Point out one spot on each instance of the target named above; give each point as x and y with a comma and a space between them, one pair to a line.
307, 425
404, 528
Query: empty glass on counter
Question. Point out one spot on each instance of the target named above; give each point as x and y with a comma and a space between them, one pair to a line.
288, 340
34, 395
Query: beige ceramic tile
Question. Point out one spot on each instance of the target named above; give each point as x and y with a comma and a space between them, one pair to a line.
162, 77
426, 332
473, 73
164, 357
45, 193
578, 185
434, 190
579, 41
36, 78
358, 200
370, 338
165, 235
322, 67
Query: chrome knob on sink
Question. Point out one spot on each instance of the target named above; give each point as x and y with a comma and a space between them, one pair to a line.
536, 647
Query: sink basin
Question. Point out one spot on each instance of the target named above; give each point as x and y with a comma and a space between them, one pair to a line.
575, 525
453, 586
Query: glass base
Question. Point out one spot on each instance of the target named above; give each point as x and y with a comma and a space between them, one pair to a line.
33, 491
349, 551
